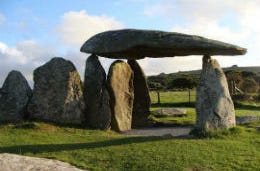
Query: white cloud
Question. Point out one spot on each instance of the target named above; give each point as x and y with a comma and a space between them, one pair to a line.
25, 56
2, 19
77, 26
232, 21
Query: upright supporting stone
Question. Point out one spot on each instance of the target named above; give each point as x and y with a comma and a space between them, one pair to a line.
14, 97
96, 95
141, 96
214, 106
121, 90
57, 94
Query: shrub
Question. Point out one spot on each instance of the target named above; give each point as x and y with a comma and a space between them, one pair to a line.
218, 133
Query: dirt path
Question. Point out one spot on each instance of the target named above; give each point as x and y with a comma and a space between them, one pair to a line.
161, 131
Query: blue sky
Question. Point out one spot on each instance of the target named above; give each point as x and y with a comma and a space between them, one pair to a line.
34, 31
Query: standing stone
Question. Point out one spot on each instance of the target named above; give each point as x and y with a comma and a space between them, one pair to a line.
214, 106
96, 95
121, 90
14, 97
141, 96
57, 94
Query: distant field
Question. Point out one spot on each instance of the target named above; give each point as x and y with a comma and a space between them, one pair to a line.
171, 97
180, 99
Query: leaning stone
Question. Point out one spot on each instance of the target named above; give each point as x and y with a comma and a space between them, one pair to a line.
137, 44
121, 90
141, 96
214, 105
98, 114
14, 97
14, 162
57, 94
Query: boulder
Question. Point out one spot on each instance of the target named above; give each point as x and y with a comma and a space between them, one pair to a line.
121, 90
57, 94
98, 114
141, 96
14, 162
137, 44
214, 106
14, 97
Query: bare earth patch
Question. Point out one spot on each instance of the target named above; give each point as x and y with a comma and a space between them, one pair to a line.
182, 131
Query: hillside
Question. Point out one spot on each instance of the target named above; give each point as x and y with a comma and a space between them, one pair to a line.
164, 79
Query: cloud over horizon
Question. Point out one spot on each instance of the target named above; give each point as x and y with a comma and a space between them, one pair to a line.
232, 21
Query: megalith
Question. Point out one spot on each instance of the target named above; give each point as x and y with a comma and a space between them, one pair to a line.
96, 97
57, 94
214, 106
14, 97
142, 100
121, 90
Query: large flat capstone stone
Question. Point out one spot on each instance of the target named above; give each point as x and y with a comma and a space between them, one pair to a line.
137, 44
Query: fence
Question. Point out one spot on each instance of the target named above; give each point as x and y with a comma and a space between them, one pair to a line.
173, 97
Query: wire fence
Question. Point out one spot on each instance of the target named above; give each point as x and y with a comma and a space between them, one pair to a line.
187, 97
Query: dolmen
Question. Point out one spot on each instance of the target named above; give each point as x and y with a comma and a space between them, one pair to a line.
126, 82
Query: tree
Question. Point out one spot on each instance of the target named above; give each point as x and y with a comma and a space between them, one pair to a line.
183, 82
249, 85
248, 74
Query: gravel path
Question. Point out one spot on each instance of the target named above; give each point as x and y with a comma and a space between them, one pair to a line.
161, 131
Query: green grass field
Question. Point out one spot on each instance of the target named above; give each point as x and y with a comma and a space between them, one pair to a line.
108, 150
181, 100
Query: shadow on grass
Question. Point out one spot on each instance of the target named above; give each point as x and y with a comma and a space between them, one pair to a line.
181, 104
41, 148
246, 106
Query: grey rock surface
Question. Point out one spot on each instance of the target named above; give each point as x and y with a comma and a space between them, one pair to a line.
57, 94
98, 114
137, 44
214, 106
142, 101
166, 132
14, 97
247, 119
121, 90
170, 112
14, 162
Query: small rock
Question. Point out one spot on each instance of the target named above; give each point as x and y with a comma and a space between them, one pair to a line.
14, 97
247, 119
121, 90
170, 112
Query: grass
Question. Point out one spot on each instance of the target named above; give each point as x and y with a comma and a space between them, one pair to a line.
107, 150
237, 149
180, 99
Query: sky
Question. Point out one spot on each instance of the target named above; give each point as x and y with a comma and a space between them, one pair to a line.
34, 31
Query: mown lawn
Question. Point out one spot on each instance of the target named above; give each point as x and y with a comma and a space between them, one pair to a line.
107, 150
180, 100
